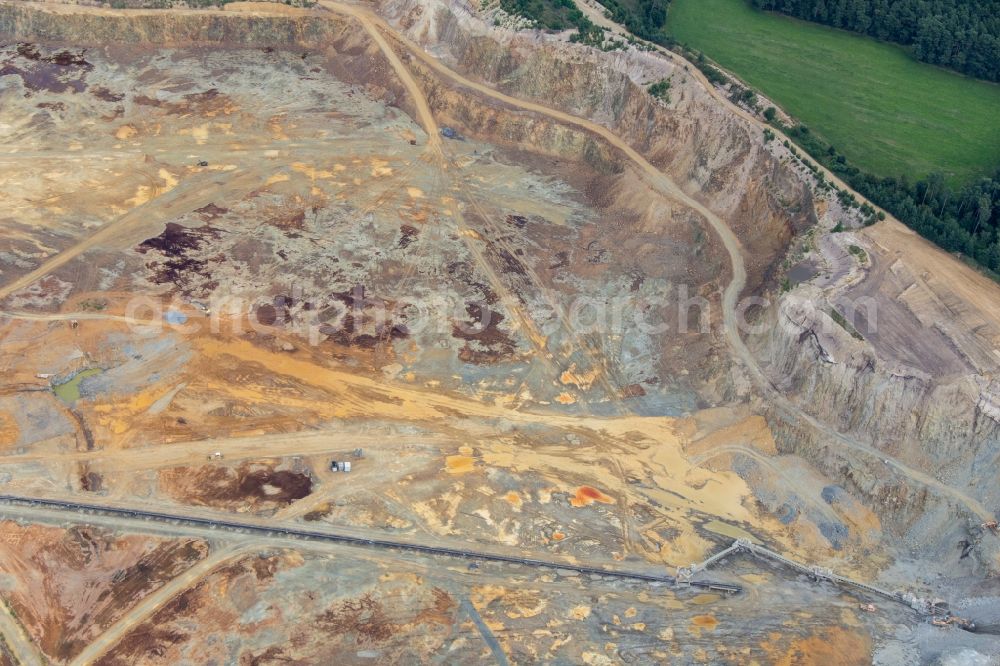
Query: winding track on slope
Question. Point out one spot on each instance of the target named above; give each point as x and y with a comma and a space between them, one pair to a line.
374, 24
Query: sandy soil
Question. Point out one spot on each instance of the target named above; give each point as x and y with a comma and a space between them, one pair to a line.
246, 278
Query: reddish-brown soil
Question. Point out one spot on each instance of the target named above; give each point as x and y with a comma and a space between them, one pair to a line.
71, 584
254, 485
245, 600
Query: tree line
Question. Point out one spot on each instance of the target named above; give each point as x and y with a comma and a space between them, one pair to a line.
556, 15
965, 220
963, 35
643, 18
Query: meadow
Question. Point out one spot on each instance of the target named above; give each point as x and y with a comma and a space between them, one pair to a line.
887, 113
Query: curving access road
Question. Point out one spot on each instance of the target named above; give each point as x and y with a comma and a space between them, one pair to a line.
659, 181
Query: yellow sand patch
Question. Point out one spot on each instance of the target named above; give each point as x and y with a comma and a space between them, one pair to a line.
728, 530
311, 171
752, 432
144, 193
276, 129
381, 169
459, 464
524, 603
483, 595
9, 430
565, 398
200, 133
582, 380
514, 500
125, 132
848, 618
119, 416
702, 599
834, 646
415, 193
168, 179
704, 622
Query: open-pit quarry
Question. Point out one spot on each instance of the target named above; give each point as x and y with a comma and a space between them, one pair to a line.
572, 339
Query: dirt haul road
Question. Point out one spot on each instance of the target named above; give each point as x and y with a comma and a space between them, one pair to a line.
179, 454
662, 183
20, 646
153, 602
184, 198
176, 202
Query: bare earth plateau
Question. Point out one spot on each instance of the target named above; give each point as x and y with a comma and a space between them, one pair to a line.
571, 336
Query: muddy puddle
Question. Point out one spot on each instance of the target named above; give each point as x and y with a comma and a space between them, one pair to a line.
731, 531
69, 391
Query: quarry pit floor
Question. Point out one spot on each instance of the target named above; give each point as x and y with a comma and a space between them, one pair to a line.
216, 283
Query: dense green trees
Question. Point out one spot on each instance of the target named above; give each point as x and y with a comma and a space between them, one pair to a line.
963, 35
959, 33
643, 18
966, 221
557, 15
661, 90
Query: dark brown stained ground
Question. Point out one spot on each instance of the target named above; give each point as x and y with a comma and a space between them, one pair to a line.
90, 578
258, 486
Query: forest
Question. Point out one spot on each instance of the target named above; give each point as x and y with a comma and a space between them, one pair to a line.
963, 220
643, 18
548, 14
957, 34
959, 218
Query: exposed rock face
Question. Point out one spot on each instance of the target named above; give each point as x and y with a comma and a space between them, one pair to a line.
704, 147
712, 153
709, 151
164, 28
943, 426
947, 427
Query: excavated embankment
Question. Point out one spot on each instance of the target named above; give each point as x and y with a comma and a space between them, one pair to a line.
707, 150
165, 28
942, 427
946, 427
712, 154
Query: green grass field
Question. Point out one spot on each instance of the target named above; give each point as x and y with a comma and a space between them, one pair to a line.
887, 113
